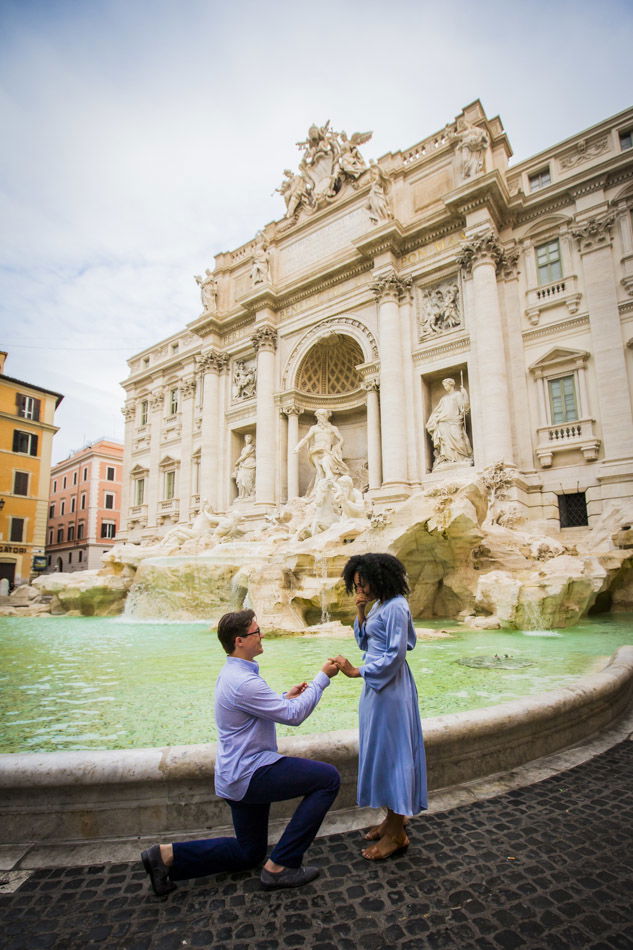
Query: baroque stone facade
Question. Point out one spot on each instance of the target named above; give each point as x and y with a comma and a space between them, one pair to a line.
448, 309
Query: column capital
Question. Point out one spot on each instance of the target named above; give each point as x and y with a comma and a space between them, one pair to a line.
291, 411
211, 361
188, 387
390, 285
371, 385
265, 338
480, 249
128, 410
157, 399
595, 232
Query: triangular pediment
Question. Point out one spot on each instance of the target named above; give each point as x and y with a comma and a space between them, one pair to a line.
138, 470
168, 462
560, 354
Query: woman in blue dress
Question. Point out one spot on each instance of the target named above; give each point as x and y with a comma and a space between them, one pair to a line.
391, 762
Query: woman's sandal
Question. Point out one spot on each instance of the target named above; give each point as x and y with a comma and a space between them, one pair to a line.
377, 856
376, 833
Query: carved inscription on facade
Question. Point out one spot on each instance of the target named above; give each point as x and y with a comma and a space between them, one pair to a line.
322, 243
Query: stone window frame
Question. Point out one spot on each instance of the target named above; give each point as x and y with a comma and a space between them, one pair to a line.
555, 437
539, 179
138, 473
558, 260
539, 296
625, 138
169, 478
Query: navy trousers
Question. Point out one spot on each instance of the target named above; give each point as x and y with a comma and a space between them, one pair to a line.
317, 783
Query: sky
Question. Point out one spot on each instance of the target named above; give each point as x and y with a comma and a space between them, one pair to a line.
142, 138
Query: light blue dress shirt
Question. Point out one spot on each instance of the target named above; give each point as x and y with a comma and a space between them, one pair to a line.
246, 710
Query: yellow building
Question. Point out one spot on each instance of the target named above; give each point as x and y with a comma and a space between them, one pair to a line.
26, 440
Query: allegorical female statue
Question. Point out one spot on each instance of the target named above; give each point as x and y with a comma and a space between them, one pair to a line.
447, 426
244, 471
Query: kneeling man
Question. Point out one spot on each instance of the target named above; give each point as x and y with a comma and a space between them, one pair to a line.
250, 773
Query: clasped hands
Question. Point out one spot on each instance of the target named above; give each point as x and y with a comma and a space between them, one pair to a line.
331, 667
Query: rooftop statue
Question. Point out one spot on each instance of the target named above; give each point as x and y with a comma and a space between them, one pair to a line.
473, 142
208, 289
260, 269
377, 201
329, 160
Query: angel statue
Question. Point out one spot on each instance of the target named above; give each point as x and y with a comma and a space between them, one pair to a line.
350, 160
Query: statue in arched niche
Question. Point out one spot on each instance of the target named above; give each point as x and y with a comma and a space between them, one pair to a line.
324, 443
447, 426
245, 469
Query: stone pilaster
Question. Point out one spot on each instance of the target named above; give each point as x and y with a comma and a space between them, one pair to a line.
186, 410
129, 415
594, 238
154, 479
374, 466
480, 258
292, 414
388, 289
264, 342
210, 365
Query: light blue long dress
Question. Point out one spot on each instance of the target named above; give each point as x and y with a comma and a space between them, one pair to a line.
391, 762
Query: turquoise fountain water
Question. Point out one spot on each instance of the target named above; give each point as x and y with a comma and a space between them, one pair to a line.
95, 683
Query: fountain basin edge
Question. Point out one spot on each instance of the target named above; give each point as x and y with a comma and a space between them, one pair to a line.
55, 797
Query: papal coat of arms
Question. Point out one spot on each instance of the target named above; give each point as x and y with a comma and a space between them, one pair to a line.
329, 160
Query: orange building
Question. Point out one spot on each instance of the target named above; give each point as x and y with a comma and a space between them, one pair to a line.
84, 507
26, 440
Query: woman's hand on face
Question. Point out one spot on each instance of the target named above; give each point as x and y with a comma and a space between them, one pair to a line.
295, 691
346, 667
361, 600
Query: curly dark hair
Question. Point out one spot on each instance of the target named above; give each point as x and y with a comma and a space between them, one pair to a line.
384, 573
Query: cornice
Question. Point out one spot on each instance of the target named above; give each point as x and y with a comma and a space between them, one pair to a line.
459, 345
553, 329
489, 191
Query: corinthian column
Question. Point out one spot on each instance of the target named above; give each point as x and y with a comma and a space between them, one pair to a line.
292, 414
479, 259
373, 433
388, 289
210, 365
265, 343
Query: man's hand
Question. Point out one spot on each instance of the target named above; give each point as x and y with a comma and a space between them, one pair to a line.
344, 665
295, 691
330, 668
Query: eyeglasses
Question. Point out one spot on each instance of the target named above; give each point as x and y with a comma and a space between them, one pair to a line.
250, 634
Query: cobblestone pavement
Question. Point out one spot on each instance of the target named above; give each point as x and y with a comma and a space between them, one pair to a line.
548, 866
